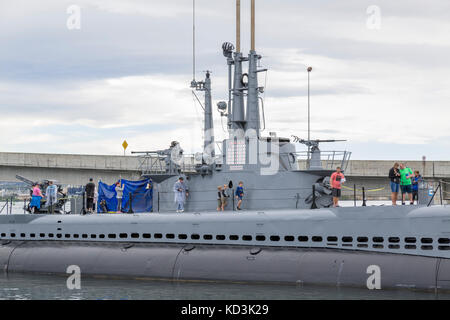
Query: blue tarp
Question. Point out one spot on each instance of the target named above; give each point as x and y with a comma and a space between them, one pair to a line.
142, 198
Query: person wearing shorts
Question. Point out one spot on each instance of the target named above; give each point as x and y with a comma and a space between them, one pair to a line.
225, 196
405, 183
394, 176
337, 179
239, 194
415, 186
219, 198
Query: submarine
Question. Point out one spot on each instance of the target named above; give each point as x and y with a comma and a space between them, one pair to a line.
287, 231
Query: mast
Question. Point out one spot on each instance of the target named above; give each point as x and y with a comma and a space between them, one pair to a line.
208, 138
253, 118
237, 118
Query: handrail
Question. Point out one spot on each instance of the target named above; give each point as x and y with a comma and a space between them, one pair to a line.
434, 193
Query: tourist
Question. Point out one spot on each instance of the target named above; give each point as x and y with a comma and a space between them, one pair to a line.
225, 196
52, 196
415, 186
219, 198
119, 195
406, 175
394, 176
181, 192
239, 194
90, 194
36, 197
337, 179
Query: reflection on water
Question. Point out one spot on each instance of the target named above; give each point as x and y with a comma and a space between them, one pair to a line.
36, 286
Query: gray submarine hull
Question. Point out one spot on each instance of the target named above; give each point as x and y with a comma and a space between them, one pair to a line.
227, 263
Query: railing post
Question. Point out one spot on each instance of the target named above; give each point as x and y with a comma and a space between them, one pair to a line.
158, 201
354, 195
232, 197
83, 210
131, 203
364, 197
440, 191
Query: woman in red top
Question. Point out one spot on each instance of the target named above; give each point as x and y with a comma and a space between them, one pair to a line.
337, 179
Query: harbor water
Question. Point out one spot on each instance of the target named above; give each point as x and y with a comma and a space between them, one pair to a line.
45, 287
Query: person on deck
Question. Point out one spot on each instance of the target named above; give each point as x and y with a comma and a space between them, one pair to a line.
337, 179
394, 176
239, 194
119, 195
181, 192
52, 196
36, 198
219, 198
225, 196
415, 185
90, 194
406, 175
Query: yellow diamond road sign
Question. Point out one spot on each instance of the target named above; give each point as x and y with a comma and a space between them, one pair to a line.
124, 144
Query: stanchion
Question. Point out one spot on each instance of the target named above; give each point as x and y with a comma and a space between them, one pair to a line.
131, 203
232, 196
354, 195
364, 197
83, 209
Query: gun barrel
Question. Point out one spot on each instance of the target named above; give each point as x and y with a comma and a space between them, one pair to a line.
24, 180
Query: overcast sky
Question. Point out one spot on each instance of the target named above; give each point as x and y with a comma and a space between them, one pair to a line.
382, 84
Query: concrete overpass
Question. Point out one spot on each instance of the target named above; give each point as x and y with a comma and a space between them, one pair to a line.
75, 169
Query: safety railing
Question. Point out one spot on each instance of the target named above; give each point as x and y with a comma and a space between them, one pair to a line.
329, 159
207, 199
7, 207
152, 163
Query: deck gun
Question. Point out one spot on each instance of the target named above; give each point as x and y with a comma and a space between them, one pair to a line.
314, 156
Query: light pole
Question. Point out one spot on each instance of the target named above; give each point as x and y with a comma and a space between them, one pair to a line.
309, 113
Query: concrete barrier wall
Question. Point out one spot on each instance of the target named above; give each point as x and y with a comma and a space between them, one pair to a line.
76, 169
69, 161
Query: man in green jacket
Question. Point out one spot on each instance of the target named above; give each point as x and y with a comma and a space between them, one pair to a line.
405, 182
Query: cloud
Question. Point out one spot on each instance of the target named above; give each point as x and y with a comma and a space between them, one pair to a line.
125, 74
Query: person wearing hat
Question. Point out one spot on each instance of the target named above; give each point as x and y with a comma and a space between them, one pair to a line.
181, 192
